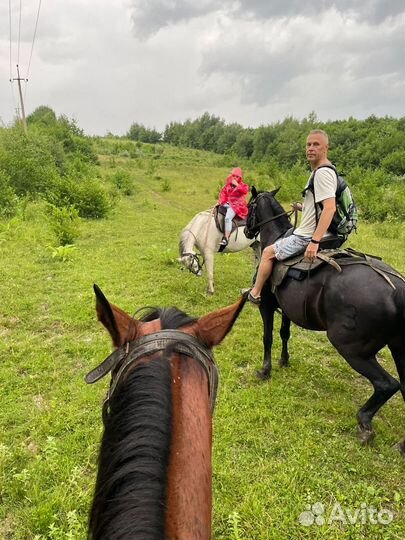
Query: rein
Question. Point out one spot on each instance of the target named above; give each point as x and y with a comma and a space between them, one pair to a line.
268, 220
130, 354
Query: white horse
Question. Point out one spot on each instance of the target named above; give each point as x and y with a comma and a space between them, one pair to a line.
203, 233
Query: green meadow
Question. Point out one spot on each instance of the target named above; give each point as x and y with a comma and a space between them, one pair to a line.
281, 448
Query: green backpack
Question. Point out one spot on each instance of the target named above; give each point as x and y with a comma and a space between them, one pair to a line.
345, 219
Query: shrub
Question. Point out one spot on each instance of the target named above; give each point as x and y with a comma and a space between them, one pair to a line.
8, 198
65, 223
88, 197
27, 161
62, 253
123, 181
92, 200
395, 163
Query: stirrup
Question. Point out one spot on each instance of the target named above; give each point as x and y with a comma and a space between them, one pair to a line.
222, 245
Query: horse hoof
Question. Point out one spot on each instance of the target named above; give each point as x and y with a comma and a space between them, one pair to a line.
283, 363
263, 375
210, 293
365, 436
400, 447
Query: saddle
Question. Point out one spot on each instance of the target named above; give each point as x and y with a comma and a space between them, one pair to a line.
219, 215
299, 268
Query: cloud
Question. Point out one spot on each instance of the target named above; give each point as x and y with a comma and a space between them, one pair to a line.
109, 64
149, 17
265, 65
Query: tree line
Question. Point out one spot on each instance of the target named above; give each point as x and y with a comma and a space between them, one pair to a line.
371, 143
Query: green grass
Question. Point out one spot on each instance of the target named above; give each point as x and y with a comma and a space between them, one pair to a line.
278, 445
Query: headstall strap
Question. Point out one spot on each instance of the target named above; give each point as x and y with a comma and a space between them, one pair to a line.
129, 353
196, 259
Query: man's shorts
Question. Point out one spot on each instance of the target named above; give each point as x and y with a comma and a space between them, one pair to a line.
290, 246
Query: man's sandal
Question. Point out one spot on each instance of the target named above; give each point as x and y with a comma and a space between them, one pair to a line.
254, 299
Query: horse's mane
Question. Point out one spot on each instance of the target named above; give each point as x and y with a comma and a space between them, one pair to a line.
276, 208
135, 447
191, 229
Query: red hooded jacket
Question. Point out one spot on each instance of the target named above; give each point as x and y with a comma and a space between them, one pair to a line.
235, 196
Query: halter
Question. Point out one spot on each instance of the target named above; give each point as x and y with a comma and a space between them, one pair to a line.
132, 352
196, 259
268, 220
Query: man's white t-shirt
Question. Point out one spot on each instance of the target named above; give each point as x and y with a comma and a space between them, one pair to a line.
325, 185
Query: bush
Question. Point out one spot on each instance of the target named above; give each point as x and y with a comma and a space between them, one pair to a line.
92, 200
65, 223
8, 198
27, 161
123, 182
395, 163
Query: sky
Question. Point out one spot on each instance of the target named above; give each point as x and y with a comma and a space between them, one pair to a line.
110, 63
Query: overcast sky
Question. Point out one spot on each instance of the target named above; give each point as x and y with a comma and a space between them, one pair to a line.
109, 63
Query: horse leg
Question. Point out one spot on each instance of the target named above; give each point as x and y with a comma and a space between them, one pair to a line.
285, 336
209, 265
397, 349
385, 386
267, 309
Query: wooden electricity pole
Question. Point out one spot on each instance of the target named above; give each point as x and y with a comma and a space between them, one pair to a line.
19, 79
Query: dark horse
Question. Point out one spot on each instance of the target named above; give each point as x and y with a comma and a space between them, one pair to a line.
154, 475
360, 311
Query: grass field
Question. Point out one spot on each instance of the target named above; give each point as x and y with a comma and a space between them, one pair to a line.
279, 446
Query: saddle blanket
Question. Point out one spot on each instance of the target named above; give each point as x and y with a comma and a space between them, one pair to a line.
299, 268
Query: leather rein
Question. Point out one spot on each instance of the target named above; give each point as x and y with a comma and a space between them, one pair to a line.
131, 353
268, 220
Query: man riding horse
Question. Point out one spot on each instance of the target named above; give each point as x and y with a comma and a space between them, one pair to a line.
313, 227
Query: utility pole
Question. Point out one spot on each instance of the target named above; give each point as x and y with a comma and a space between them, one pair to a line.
19, 79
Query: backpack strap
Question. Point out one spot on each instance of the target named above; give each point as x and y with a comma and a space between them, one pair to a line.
340, 186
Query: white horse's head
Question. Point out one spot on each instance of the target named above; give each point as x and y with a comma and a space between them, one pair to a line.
191, 262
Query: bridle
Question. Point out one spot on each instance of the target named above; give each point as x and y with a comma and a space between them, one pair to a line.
195, 259
255, 230
132, 352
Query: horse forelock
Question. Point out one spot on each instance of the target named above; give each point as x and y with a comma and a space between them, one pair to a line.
129, 500
169, 317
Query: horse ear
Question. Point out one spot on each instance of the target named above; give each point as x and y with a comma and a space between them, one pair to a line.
119, 324
275, 191
212, 328
254, 192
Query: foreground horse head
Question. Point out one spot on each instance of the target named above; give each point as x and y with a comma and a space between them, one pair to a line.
361, 309
154, 475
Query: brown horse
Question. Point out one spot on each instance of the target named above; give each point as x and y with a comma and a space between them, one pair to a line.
154, 475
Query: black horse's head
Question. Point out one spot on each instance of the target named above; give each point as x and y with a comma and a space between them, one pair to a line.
265, 209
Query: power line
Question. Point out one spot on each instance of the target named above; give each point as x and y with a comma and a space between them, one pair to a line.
10, 33
19, 34
33, 39
20, 112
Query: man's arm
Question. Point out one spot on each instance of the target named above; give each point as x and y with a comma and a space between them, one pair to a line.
325, 219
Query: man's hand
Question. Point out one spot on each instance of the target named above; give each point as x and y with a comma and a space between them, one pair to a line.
297, 206
311, 251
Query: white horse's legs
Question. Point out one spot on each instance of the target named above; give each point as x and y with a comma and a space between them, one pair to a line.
209, 265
